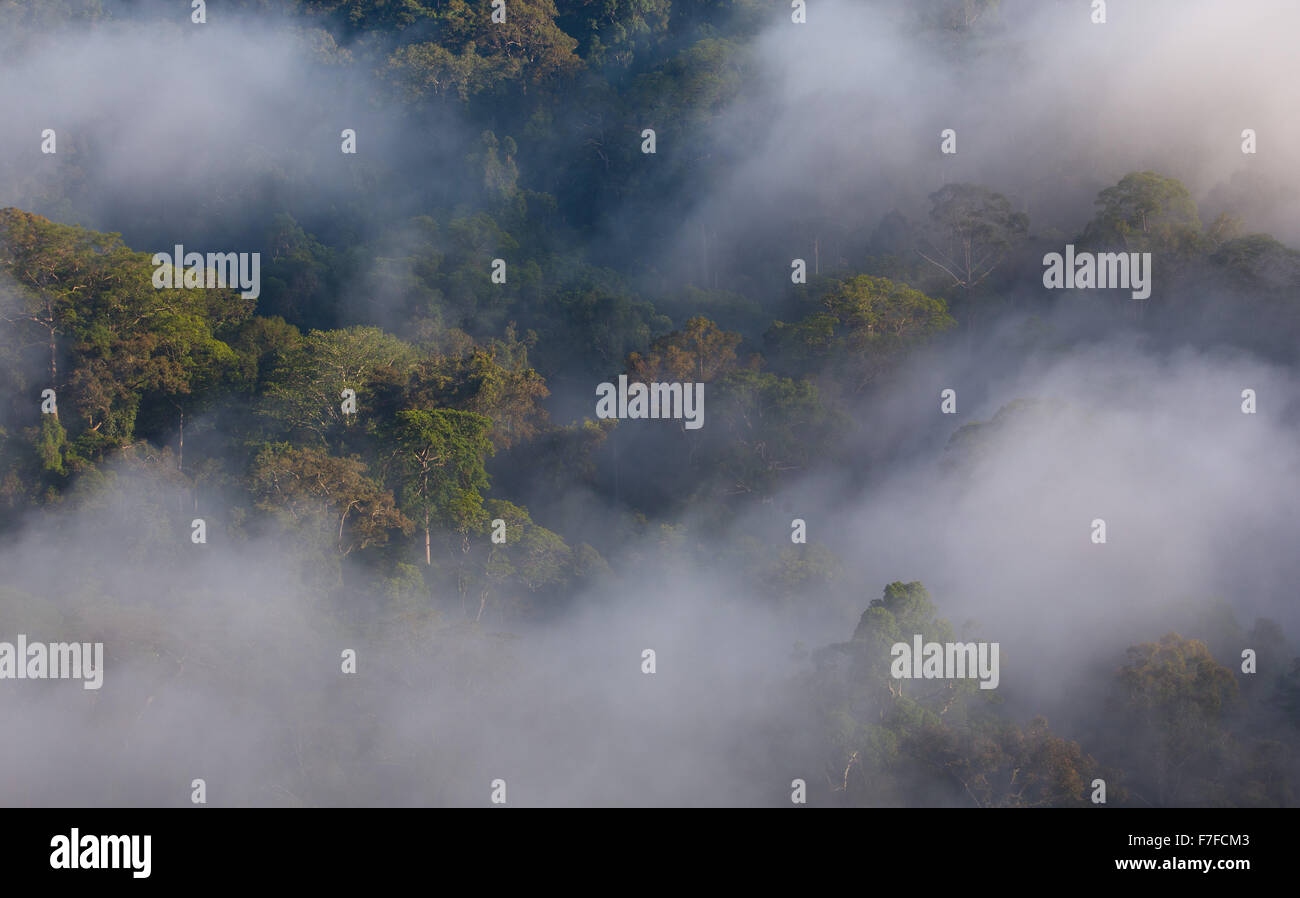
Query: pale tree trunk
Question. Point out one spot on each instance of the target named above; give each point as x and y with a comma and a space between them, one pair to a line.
54, 367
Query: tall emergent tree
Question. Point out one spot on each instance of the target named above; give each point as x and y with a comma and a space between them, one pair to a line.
438, 460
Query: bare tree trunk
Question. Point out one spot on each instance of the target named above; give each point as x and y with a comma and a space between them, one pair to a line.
54, 365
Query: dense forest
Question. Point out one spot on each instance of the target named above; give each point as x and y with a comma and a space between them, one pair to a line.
390, 450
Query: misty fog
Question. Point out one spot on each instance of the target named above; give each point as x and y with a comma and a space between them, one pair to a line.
222, 660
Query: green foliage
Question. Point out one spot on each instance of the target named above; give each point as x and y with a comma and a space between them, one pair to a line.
525, 140
1145, 212
107, 337
437, 464
614, 32
607, 326
693, 86
863, 326
304, 393
310, 489
700, 352
1260, 262
763, 427
889, 739
972, 229
474, 55
51, 446
1171, 697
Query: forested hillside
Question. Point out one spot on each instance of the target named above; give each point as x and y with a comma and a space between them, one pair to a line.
358, 533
